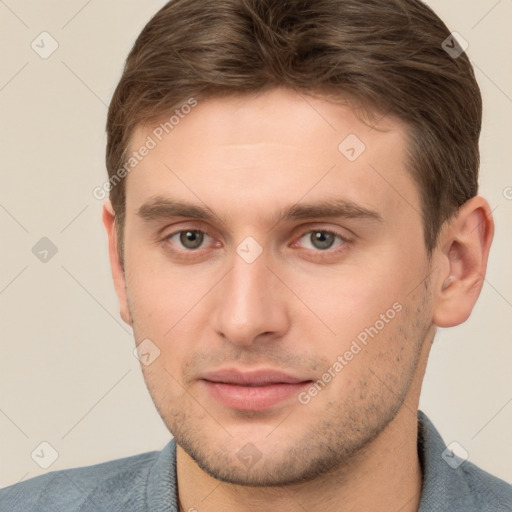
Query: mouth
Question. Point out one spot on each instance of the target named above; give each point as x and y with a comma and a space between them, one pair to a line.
252, 390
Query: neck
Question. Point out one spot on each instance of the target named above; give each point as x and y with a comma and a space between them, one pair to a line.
386, 476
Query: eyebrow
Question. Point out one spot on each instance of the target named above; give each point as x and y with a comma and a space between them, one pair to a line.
160, 208
329, 208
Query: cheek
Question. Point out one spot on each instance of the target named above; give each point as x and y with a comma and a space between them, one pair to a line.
171, 309
371, 314
348, 299
161, 294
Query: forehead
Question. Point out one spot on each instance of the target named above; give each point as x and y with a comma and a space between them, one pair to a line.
270, 150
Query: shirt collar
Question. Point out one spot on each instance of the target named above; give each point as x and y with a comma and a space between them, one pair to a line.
444, 483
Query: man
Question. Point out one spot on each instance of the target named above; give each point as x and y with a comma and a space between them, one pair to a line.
293, 212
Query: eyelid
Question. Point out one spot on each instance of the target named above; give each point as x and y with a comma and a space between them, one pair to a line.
185, 225
342, 238
344, 233
177, 252
182, 230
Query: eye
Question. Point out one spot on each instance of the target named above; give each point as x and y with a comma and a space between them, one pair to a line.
189, 238
322, 239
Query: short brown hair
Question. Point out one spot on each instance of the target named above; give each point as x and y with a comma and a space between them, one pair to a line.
387, 54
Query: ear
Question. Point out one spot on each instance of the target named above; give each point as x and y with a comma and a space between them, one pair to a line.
109, 221
462, 254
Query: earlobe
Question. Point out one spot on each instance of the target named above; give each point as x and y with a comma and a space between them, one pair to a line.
463, 252
118, 275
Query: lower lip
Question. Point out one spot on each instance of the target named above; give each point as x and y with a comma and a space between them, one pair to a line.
253, 398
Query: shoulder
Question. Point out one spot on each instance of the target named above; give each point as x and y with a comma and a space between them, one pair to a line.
74, 489
489, 492
452, 483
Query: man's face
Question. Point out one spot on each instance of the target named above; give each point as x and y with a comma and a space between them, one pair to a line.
289, 336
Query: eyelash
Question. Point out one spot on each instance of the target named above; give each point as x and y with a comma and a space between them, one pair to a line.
330, 251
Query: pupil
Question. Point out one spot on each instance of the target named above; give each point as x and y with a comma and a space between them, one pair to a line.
191, 239
323, 240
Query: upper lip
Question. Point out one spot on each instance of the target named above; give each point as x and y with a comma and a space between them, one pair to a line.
261, 377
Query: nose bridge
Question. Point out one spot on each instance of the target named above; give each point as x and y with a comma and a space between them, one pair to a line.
248, 302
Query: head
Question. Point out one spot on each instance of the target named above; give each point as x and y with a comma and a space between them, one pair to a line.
293, 188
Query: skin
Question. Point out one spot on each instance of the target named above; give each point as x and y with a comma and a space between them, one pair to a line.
296, 307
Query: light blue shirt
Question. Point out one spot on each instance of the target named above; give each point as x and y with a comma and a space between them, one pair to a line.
147, 483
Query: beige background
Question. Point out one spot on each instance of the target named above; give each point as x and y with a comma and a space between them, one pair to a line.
67, 372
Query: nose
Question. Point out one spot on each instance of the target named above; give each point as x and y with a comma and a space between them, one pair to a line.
251, 303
